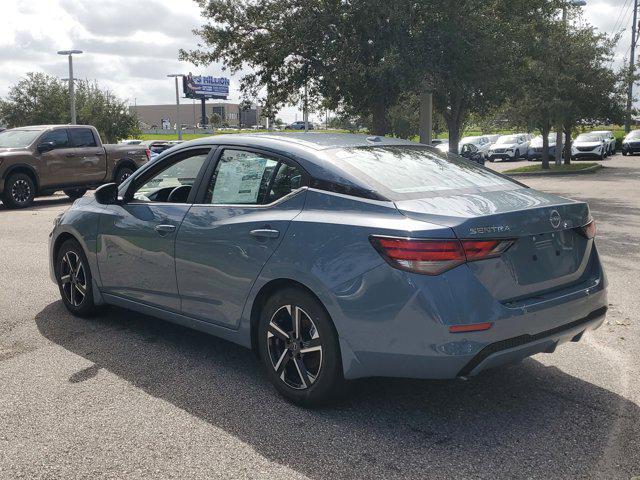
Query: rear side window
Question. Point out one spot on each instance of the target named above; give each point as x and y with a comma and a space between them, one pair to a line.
249, 178
403, 172
58, 137
82, 137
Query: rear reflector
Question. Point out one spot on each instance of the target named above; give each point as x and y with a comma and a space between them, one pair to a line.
474, 327
589, 230
432, 257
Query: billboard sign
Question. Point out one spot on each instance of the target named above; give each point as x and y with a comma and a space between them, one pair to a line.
200, 86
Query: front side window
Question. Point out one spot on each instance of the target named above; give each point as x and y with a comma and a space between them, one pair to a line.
173, 183
82, 137
248, 178
58, 137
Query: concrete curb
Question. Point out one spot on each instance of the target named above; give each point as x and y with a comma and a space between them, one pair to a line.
592, 169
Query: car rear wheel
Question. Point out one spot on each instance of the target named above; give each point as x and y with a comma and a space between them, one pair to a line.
75, 193
19, 191
603, 155
74, 279
122, 174
298, 346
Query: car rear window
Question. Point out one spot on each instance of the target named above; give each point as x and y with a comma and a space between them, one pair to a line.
402, 172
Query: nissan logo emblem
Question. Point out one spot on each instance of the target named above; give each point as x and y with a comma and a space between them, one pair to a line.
555, 219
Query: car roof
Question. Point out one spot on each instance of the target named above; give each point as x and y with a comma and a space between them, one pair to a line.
310, 141
310, 150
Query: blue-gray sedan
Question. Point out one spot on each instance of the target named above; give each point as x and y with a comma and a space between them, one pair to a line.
337, 256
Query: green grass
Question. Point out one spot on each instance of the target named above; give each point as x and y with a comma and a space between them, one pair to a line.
562, 168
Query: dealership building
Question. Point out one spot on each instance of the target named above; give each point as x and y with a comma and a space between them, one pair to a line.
152, 116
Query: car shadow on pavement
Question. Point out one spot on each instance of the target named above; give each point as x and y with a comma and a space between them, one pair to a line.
44, 202
522, 421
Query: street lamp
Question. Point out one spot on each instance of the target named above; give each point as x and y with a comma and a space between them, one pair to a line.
72, 96
178, 126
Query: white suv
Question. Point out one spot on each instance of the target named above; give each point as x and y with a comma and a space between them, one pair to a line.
482, 143
609, 138
510, 147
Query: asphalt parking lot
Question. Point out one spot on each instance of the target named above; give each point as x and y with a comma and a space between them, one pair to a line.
128, 396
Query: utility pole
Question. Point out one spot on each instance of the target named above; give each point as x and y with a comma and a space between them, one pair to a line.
178, 124
426, 117
305, 109
72, 93
634, 26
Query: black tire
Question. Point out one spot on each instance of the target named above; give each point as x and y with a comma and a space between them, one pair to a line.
603, 155
624, 153
491, 159
516, 156
19, 191
74, 279
75, 193
305, 378
122, 174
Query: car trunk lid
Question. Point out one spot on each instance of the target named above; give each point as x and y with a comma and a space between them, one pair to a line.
549, 250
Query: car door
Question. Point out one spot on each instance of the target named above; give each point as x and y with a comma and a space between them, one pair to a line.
90, 161
59, 163
229, 234
136, 238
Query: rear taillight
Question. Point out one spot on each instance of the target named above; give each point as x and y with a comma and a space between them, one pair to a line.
432, 257
148, 152
589, 230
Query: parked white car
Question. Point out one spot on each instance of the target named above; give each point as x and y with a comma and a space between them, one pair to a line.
609, 138
482, 143
510, 147
590, 145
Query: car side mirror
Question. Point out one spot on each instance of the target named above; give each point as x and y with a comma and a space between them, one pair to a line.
107, 194
46, 147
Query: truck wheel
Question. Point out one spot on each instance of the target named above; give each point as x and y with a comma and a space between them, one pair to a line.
19, 191
75, 193
122, 174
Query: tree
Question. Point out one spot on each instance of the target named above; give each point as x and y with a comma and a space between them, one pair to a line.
216, 119
43, 99
355, 55
472, 56
589, 89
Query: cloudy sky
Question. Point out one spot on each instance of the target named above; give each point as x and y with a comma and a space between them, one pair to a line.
130, 45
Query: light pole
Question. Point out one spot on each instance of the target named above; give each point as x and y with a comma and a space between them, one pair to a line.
634, 26
72, 95
178, 126
559, 128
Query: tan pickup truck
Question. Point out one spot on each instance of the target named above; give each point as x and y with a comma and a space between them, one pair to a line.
42, 159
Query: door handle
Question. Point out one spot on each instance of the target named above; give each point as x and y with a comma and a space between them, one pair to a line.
165, 229
69, 155
265, 233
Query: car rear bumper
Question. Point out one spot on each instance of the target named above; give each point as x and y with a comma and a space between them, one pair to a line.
410, 337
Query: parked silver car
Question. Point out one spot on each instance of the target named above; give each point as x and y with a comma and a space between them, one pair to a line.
510, 147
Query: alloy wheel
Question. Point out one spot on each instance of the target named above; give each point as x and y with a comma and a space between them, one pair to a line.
294, 347
73, 278
20, 191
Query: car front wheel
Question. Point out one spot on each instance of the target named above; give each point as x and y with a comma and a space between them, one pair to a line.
74, 279
19, 191
299, 348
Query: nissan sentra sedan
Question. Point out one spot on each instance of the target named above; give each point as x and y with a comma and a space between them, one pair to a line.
336, 257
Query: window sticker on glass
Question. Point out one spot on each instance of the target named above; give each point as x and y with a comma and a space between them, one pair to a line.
240, 177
